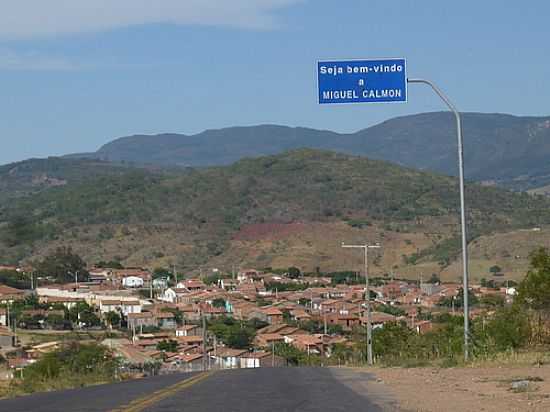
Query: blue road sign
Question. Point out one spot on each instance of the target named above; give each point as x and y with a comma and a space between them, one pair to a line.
362, 81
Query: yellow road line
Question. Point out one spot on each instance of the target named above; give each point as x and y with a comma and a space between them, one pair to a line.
140, 404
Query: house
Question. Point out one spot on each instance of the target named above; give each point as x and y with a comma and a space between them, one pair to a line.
132, 356
189, 330
228, 358
9, 294
283, 329
192, 362
118, 275
7, 338
347, 322
148, 344
166, 320
248, 275
257, 313
189, 340
169, 295
378, 319
121, 306
136, 321
228, 284
160, 283
68, 302
132, 282
312, 344
267, 340
300, 315
192, 285
430, 289
273, 316
261, 359
423, 326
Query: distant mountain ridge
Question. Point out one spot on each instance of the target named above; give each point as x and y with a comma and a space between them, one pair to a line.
500, 149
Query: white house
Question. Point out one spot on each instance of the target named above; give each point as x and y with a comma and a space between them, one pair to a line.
169, 295
228, 358
189, 330
123, 306
132, 282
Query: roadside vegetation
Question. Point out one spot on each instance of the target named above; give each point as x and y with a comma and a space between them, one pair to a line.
73, 365
503, 331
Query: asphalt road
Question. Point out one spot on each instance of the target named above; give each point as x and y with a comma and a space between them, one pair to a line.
254, 390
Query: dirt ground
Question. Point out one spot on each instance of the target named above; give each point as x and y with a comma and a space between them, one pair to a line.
466, 389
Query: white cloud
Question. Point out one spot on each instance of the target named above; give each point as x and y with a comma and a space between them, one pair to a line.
31, 18
15, 60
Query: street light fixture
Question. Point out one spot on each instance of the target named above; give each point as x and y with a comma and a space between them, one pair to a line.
366, 248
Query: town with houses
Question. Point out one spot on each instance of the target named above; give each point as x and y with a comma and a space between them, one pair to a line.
155, 324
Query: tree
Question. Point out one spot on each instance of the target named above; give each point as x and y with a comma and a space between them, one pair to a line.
234, 334
112, 318
495, 269
84, 315
218, 303
534, 290
168, 345
56, 321
62, 265
14, 279
294, 272
392, 310
112, 264
240, 338
293, 355
178, 314
161, 273
459, 299
508, 329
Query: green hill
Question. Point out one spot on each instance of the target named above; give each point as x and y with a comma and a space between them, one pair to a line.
35, 175
144, 215
511, 151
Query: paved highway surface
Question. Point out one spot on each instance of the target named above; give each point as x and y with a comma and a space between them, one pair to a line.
254, 390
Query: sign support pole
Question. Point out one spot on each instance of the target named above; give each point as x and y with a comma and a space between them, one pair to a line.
462, 208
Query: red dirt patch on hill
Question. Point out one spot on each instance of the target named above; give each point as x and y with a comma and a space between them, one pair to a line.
271, 231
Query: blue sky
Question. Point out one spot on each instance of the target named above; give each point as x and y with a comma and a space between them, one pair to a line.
77, 74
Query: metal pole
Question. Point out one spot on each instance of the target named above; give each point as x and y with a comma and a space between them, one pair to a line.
367, 299
366, 247
462, 208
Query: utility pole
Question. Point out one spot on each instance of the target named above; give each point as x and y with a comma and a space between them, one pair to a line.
204, 354
366, 248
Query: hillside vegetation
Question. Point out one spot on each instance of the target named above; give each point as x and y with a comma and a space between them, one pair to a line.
198, 213
501, 149
35, 175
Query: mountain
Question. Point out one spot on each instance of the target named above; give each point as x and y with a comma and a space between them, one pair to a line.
35, 175
254, 211
499, 149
